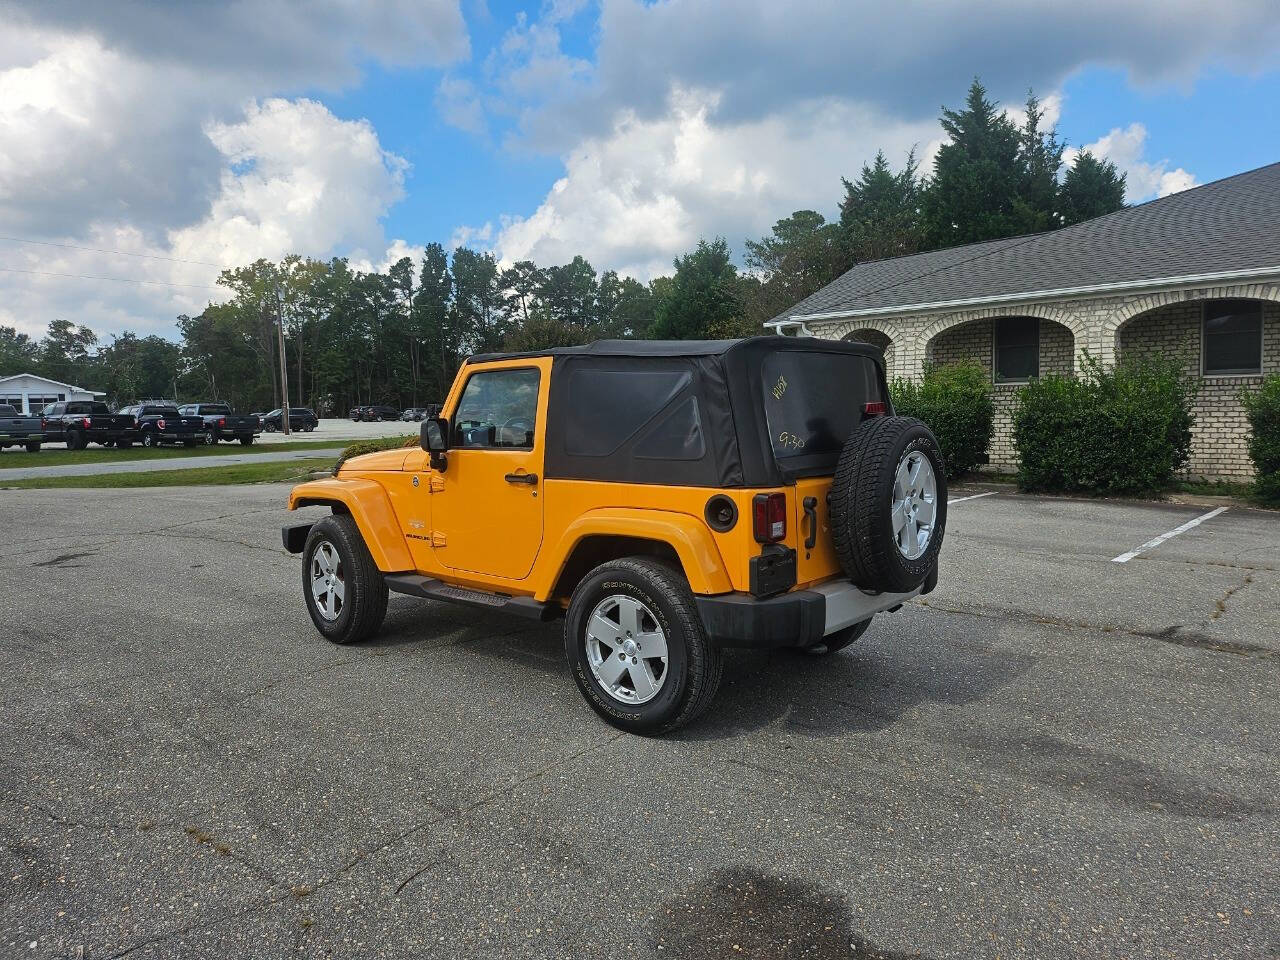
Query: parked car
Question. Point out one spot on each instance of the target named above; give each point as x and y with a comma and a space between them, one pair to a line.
300, 418
77, 423
220, 423
17, 430
357, 413
157, 424
378, 412
667, 498
413, 414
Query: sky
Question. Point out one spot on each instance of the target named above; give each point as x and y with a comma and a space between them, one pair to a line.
144, 146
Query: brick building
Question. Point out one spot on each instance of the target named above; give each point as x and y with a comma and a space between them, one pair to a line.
1195, 275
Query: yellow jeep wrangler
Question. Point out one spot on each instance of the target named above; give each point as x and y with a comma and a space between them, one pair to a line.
668, 499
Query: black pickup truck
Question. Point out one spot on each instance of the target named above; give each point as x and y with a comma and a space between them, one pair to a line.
19, 431
221, 424
155, 424
77, 423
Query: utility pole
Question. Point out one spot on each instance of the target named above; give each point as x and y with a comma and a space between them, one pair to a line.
284, 368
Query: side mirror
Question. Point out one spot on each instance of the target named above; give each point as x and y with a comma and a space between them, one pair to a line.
434, 438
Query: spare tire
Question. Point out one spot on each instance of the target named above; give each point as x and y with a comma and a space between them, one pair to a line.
888, 504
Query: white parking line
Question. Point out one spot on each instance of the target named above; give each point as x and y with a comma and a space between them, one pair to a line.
975, 496
1152, 544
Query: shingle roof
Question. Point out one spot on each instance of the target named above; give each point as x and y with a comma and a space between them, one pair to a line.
1228, 225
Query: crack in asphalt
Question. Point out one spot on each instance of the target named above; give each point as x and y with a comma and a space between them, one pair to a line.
1177, 634
1220, 605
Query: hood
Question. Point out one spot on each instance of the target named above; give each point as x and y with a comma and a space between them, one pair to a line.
382, 461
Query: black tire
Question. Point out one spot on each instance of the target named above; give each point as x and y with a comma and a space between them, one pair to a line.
694, 663
149, 439
365, 591
108, 443
210, 438
269, 427
247, 441
189, 443
76, 440
33, 448
834, 642
124, 444
861, 504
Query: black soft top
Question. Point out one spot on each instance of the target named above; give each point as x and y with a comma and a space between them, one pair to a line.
711, 413
689, 348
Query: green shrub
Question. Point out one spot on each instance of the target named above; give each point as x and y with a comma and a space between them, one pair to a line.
361, 447
955, 402
1125, 430
1263, 409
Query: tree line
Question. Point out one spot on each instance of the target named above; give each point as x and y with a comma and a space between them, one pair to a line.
398, 336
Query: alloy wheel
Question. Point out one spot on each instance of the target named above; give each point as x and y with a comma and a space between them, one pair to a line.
626, 649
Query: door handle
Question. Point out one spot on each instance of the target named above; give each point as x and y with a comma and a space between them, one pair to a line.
811, 512
529, 479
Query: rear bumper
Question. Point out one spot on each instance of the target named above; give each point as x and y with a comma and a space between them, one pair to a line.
797, 619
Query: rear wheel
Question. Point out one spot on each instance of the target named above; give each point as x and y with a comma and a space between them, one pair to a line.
637, 648
344, 589
247, 441
888, 504
75, 440
33, 448
210, 438
108, 443
149, 439
189, 443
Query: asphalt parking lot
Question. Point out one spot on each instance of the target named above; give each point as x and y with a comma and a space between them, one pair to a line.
1054, 754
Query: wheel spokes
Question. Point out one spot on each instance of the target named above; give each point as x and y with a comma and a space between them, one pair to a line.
605, 630
642, 679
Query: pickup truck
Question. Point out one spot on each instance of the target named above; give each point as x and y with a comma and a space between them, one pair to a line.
154, 425
77, 423
667, 499
221, 424
19, 431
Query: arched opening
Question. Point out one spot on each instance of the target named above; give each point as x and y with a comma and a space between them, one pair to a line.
876, 338
1012, 350
1223, 345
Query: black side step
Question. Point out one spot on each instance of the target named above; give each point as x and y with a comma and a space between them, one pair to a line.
416, 585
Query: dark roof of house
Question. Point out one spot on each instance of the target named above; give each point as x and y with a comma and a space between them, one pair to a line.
1230, 224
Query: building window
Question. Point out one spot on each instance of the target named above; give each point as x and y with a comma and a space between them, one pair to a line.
1017, 341
1232, 337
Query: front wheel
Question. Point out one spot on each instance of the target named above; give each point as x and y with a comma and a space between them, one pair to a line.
247, 441
75, 440
637, 648
149, 440
189, 443
269, 427
344, 589
210, 438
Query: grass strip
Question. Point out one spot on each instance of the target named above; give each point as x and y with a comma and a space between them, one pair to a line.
275, 471
56, 456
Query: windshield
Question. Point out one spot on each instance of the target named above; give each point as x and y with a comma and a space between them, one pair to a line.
813, 401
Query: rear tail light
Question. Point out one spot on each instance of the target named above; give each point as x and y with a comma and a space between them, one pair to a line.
769, 517
86, 421
160, 424
874, 409
222, 421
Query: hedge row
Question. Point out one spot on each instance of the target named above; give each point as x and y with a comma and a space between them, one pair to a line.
1126, 430
955, 402
1263, 410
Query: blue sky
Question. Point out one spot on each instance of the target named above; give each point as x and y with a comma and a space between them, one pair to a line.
174, 139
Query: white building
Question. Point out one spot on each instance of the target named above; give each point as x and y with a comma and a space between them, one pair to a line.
29, 393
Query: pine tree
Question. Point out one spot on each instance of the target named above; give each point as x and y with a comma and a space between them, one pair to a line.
1091, 188
1040, 153
977, 176
880, 212
702, 298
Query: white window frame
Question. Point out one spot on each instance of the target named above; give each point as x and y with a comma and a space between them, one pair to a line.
995, 350
1262, 341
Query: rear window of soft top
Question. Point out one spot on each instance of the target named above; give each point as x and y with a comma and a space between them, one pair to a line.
813, 401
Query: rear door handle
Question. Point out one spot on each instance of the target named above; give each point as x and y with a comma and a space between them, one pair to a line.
529, 479
811, 511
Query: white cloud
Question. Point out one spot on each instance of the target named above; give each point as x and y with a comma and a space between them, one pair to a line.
151, 129
1145, 179
650, 189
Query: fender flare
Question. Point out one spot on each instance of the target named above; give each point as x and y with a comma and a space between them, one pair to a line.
368, 504
687, 535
